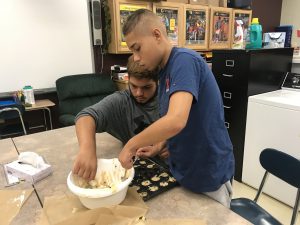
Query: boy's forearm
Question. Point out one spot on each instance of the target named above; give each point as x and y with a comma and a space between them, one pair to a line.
167, 126
161, 130
85, 131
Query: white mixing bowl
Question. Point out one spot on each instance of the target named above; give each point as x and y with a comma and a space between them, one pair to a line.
101, 197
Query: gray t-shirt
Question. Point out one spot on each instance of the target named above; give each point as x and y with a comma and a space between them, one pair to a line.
121, 116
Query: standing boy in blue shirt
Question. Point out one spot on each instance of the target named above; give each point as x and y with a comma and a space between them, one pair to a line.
191, 110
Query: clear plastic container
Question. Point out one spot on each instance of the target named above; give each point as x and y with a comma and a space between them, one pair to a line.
29, 94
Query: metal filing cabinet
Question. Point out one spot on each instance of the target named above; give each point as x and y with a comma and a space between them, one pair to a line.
240, 74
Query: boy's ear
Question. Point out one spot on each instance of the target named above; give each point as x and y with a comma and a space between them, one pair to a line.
156, 33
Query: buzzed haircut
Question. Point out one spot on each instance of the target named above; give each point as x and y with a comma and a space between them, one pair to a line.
141, 16
139, 72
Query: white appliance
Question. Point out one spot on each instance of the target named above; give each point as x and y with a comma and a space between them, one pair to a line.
273, 121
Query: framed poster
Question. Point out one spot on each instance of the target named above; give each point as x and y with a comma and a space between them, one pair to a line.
220, 28
240, 24
119, 11
171, 15
196, 27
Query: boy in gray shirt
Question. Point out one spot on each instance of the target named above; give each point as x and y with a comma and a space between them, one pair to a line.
122, 114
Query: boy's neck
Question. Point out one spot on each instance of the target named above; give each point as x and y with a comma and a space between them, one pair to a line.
166, 55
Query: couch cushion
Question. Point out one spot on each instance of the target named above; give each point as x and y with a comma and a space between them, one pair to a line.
67, 119
75, 92
75, 105
83, 85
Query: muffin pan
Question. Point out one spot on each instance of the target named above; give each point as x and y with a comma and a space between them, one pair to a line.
151, 178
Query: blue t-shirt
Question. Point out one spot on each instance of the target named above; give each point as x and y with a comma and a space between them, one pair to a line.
201, 155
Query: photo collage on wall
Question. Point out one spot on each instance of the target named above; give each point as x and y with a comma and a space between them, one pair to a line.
220, 27
195, 27
170, 19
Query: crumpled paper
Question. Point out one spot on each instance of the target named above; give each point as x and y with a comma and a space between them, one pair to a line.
67, 210
10, 203
172, 222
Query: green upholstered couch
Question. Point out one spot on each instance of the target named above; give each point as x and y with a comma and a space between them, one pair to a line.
75, 92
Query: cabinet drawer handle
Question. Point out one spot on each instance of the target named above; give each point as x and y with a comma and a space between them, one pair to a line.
229, 63
227, 94
227, 125
227, 107
227, 75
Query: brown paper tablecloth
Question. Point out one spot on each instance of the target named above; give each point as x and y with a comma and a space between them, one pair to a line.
10, 203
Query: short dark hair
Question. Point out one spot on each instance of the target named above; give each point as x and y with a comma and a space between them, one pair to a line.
139, 72
134, 19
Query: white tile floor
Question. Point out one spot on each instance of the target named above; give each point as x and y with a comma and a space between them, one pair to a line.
280, 211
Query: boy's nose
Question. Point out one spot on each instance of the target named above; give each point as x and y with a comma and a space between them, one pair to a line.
136, 58
139, 92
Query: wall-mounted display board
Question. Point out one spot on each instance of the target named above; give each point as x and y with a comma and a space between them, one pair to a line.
42, 41
172, 16
196, 27
220, 28
119, 11
240, 24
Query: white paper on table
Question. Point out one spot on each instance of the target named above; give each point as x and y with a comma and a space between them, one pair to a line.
10, 179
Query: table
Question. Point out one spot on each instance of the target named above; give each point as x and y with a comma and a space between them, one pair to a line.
31, 209
44, 105
60, 146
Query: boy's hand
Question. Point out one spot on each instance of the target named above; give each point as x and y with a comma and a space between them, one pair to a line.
163, 150
126, 157
150, 151
85, 165
164, 153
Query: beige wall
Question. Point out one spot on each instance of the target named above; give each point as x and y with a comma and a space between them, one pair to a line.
290, 16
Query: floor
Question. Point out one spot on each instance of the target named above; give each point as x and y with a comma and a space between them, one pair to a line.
280, 211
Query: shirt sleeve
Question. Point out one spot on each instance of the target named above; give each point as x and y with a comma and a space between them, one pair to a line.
185, 75
103, 112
